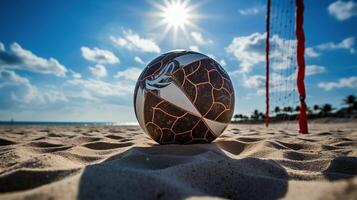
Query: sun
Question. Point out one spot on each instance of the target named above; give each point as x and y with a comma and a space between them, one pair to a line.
177, 16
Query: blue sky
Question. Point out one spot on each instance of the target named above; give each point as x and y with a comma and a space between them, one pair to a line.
79, 60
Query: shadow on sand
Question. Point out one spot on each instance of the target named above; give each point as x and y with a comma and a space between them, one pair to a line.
343, 167
181, 171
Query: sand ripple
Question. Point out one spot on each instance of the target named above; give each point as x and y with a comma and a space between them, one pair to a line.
247, 162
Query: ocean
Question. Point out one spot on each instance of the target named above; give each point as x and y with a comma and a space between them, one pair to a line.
43, 123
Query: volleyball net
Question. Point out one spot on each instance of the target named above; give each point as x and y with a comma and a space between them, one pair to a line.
285, 63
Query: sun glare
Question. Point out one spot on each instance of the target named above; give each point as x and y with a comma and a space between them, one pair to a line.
176, 16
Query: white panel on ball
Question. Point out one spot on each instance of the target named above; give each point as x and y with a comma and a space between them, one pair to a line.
190, 58
216, 127
139, 107
177, 97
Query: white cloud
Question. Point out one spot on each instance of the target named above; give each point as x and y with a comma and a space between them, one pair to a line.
212, 56
52, 96
11, 78
350, 82
80, 92
347, 44
98, 71
248, 50
132, 41
75, 74
277, 82
222, 62
27, 92
131, 74
199, 39
194, 48
343, 10
100, 88
139, 60
19, 58
314, 69
251, 11
100, 56
255, 81
311, 53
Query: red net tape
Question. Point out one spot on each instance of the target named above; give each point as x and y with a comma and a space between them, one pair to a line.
300, 36
267, 49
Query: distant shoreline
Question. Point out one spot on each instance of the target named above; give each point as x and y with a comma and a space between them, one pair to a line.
48, 123
295, 121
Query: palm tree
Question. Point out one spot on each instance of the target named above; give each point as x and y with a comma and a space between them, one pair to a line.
316, 108
261, 115
277, 110
255, 115
235, 117
350, 100
288, 109
326, 109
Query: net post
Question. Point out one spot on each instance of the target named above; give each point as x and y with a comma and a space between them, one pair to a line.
300, 37
267, 49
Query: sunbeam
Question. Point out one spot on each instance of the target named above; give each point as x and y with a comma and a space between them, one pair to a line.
176, 16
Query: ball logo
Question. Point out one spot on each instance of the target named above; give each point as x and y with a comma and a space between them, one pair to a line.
184, 97
163, 78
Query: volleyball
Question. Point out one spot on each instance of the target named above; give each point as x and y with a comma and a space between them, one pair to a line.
184, 97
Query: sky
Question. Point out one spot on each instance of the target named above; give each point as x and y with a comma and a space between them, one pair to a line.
79, 60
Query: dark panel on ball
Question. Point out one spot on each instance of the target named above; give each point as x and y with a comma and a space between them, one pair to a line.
162, 119
154, 131
168, 136
190, 90
216, 79
179, 77
192, 67
199, 130
216, 110
185, 123
151, 100
184, 138
222, 96
199, 76
204, 98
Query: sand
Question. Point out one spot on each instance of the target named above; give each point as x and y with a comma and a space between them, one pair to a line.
120, 162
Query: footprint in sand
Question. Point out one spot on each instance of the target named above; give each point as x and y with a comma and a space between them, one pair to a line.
114, 137
28, 179
106, 145
44, 144
5, 142
293, 155
249, 139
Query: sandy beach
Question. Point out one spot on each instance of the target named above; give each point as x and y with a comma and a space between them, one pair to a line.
121, 162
